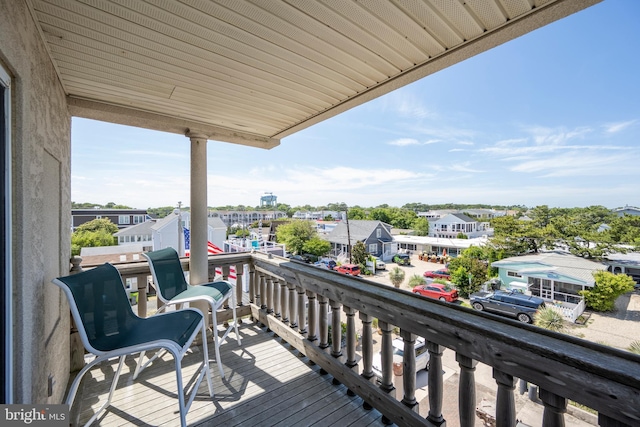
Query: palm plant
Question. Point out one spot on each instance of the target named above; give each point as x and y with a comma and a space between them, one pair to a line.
550, 319
396, 275
634, 347
416, 280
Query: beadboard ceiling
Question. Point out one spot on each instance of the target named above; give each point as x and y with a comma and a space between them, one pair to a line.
254, 71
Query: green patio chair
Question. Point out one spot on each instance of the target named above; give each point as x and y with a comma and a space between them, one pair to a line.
109, 328
172, 289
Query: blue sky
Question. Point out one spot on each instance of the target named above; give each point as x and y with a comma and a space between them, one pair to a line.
552, 118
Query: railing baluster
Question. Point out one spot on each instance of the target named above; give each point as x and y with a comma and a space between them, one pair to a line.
302, 318
239, 290
367, 351
323, 321
409, 370
313, 316
276, 299
225, 276
435, 384
554, 408
293, 318
351, 337
284, 298
269, 295
141, 280
263, 292
467, 390
336, 329
252, 284
386, 357
505, 400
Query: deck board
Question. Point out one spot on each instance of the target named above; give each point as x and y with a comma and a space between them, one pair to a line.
266, 383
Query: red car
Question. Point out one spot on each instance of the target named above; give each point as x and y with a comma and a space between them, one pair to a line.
436, 291
438, 274
350, 269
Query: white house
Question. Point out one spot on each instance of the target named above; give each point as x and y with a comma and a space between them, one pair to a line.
451, 225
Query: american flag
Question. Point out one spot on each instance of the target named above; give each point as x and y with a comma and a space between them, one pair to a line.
187, 241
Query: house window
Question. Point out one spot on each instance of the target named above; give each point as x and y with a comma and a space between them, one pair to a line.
513, 274
138, 219
378, 233
373, 248
124, 219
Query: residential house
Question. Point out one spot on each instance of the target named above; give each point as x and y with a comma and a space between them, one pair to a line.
628, 263
375, 235
139, 233
319, 215
627, 210
159, 67
555, 276
123, 218
451, 225
436, 245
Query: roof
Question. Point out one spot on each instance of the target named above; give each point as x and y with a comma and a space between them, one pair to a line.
561, 263
136, 230
251, 72
461, 217
215, 222
359, 230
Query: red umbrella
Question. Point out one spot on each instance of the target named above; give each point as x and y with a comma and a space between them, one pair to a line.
444, 252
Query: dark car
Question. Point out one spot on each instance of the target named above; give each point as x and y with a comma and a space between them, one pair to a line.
402, 259
326, 263
436, 291
510, 304
438, 274
301, 258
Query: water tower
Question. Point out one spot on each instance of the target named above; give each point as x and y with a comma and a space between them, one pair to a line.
268, 199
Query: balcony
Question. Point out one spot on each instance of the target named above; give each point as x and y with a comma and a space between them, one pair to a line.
287, 365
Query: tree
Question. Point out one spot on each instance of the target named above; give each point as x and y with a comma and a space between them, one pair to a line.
317, 246
359, 254
294, 234
98, 232
396, 275
416, 280
100, 224
420, 226
608, 287
550, 319
468, 272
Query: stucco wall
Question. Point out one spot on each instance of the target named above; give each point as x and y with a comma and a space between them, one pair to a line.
41, 218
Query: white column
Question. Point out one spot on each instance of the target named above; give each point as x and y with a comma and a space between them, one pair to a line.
198, 260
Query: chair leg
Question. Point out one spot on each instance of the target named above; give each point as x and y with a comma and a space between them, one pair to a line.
216, 340
235, 318
114, 384
183, 409
205, 351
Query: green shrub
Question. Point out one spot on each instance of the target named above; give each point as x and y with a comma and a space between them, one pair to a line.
550, 319
634, 347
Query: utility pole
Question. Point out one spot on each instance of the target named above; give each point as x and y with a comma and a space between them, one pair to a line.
348, 235
180, 232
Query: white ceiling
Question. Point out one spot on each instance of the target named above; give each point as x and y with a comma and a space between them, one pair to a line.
254, 71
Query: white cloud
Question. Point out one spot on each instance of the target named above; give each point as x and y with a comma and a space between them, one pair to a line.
618, 127
576, 164
403, 142
549, 136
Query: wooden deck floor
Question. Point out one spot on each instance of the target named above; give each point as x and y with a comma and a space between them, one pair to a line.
267, 384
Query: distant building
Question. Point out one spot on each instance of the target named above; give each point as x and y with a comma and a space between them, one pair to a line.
375, 235
627, 210
123, 218
242, 219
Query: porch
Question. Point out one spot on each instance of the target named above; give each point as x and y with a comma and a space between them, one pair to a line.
291, 300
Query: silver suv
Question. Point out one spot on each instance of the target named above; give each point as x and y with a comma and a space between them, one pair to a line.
510, 304
422, 356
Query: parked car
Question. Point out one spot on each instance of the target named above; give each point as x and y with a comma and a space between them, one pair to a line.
436, 291
422, 356
402, 259
438, 274
350, 269
510, 304
380, 265
301, 258
326, 263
